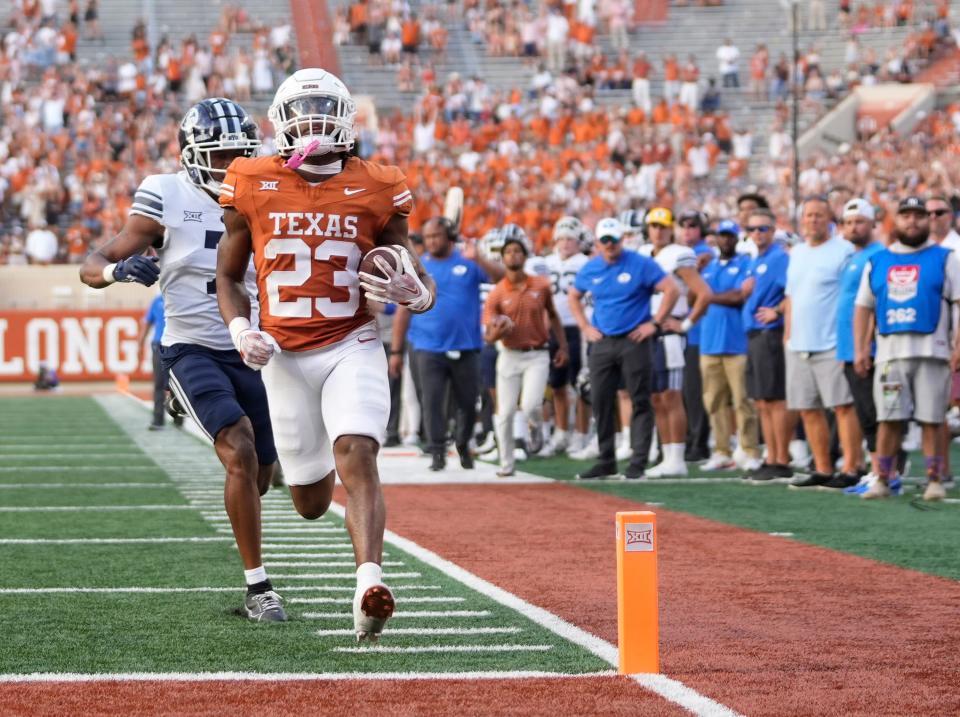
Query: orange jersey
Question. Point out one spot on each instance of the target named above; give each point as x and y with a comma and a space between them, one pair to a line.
308, 242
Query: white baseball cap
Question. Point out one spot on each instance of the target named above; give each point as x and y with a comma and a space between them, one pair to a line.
859, 208
609, 227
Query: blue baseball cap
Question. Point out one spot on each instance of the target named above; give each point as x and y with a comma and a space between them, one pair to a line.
728, 226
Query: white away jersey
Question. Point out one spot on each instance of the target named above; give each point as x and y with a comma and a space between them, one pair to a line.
188, 260
671, 258
562, 272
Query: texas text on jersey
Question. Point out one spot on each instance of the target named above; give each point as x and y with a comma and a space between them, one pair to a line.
308, 240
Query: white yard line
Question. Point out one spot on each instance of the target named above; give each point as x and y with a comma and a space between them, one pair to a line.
430, 631
443, 649
80, 469
81, 508
85, 485
294, 676
401, 589
349, 601
108, 541
328, 564
338, 576
401, 615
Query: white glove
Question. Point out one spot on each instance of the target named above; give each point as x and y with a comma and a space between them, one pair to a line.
256, 347
404, 289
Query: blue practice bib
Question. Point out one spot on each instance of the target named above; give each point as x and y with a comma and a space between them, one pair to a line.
909, 290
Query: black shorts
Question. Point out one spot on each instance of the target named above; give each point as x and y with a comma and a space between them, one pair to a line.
566, 375
217, 389
766, 370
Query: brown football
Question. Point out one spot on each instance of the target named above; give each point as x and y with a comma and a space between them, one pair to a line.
387, 254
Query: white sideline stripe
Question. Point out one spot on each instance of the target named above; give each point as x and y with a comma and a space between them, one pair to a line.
402, 589
290, 676
125, 443
315, 556
328, 563
445, 648
86, 485
402, 615
349, 601
77, 454
269, 530
304, 546
74, 469
430, 631
107, 541
98, 508
299, 542
235, 588
338, 576
671, 690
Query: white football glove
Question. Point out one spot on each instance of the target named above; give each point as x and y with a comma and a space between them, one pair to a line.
256, 347
402, 288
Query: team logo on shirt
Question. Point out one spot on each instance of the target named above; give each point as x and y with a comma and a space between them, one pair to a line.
762, 269
902, 282
734, 270
189, 216
269, 186
623, 278
459, 270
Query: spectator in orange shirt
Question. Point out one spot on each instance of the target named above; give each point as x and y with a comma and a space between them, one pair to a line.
410, 35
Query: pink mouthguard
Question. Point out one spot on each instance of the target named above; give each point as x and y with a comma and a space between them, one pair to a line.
297, 159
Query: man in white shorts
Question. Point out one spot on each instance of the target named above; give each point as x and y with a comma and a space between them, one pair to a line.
909, 290
328, 390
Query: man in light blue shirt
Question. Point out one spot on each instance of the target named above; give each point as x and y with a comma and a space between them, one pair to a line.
815, 379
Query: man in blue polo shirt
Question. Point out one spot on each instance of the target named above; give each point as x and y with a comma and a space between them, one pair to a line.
154, 319
621, 283
723, 353
766, 281
446, 340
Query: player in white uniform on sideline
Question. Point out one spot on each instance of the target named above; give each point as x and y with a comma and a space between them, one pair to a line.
667, 383
179, 216
562, 267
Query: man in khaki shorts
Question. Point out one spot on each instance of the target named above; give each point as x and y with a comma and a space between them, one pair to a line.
908, 290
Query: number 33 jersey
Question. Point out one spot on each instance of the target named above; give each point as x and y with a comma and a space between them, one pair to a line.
193, 224
308, 240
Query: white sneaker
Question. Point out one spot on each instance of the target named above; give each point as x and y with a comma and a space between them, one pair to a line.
372, 607
751, 464
410, 440
589, 452
489, 443
718, 462
555, 446
491, 455
624, 451
665, 469
519, 454
575, 443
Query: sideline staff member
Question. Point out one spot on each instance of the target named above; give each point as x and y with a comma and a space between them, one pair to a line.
622, 283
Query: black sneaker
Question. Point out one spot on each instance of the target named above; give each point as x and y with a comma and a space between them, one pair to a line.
534, 439
438, 462
769, 473
599, 471
466, 460
634, 472
173, 407
840, 482
812, 480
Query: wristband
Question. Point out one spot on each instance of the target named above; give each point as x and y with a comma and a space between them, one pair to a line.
108, 273
686, 325
237, 327
396, 353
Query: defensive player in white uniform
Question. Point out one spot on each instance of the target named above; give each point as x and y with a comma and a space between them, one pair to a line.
667, 384
179, 217
562, 266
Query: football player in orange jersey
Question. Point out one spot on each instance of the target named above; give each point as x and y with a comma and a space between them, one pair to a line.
308, 216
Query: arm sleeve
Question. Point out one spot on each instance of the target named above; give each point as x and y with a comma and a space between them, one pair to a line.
148, 199
654, 274
580, 281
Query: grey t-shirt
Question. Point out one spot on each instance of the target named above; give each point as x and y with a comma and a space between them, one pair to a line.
905, 345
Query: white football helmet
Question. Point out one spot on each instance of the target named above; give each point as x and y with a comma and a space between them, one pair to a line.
568, 227
490, 245
313, 104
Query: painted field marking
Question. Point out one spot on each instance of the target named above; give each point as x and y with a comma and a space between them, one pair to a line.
329, 564
125, 443
77, 454
672, 690
314, 544
444, 648
287, 588
339, 576
349, 601
781, 535
269, 530
282, 556
400, 615
76, 469
97, 508
430, 631
28, 486
293, 676
108, 541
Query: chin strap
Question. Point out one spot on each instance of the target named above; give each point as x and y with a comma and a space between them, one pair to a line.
322, 169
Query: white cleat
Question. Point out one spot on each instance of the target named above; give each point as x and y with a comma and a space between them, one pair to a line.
372, 607
665, 469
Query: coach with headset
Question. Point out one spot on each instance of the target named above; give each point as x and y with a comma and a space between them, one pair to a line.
446, 340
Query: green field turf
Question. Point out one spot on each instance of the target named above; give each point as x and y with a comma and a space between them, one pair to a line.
903, 530
199, 631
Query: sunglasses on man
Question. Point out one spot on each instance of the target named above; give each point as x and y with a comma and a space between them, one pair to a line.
764, 228
609, 240
939, 212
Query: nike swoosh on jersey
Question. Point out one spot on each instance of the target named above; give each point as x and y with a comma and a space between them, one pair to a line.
366, 340
349, 191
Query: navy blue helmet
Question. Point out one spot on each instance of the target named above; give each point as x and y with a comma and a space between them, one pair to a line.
214, 125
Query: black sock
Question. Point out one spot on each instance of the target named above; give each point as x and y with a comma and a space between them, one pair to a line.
260, 587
